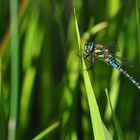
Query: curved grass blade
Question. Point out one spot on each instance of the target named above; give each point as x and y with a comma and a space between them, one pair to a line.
94, 110
93, 31
97, 125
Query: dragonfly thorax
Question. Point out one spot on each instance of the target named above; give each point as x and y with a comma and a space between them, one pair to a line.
89, 47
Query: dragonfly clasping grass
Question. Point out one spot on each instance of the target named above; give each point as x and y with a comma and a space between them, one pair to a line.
106, 53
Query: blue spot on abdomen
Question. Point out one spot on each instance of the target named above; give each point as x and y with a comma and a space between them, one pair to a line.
114, 65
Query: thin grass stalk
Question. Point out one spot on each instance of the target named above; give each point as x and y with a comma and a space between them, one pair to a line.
138, 25
46, 131
12, 129
115, 120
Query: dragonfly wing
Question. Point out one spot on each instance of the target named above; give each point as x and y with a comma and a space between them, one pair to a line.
112, 47
124, 61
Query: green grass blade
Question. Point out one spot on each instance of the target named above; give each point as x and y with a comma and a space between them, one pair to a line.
2, 113
77, 30
97, 125
116, 123
14, 71
32, 49
46, 131
107, 134
114, 93
114, 87
95, 29
94, 110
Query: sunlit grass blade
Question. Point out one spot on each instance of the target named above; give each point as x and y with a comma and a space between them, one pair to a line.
77, 30
116, 123
46, 131
95, 29
36, 36
94, 110
98, 27
98, 129
107, 134
110, 6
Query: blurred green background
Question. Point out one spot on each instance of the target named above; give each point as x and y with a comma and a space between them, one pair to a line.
41, 81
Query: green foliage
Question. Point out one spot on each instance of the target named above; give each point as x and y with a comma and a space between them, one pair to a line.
42, 79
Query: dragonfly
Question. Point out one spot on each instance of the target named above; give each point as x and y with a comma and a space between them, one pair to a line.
106, 54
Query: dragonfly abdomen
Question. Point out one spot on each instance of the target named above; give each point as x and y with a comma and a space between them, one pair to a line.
128, 76
111, 62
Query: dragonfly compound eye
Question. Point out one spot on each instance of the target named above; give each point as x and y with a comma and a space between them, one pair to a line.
89, 47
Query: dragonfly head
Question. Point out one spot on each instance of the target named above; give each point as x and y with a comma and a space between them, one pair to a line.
89, 47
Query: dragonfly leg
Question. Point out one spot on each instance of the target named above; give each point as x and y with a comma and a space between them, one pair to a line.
78, 54
86, 56
92, 62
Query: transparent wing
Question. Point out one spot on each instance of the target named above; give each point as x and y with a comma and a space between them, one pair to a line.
90, 62
112, 47
123, 61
